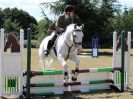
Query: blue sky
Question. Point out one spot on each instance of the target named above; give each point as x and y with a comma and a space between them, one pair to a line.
33, 6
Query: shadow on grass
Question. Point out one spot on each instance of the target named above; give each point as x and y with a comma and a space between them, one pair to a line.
130, 90
83, 95
64, 96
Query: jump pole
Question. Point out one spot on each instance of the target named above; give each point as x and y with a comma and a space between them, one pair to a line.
29, 33
122, 60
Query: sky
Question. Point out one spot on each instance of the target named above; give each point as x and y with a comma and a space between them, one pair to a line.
34, 9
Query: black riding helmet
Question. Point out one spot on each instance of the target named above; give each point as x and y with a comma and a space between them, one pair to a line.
69, 8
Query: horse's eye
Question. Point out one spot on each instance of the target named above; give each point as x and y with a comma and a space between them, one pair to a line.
74, 35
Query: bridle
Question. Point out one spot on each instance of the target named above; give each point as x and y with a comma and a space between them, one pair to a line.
76, 44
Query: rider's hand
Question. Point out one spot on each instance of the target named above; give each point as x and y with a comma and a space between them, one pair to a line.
61, 29
79, 50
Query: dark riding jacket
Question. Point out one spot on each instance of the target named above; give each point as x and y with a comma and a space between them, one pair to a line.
61, 24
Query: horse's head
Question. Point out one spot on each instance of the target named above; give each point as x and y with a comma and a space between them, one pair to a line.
75, 34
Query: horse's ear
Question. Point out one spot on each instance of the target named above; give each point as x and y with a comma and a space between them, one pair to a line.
75, 26
82, 26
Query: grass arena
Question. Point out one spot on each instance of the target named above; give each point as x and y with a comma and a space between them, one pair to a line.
103, 61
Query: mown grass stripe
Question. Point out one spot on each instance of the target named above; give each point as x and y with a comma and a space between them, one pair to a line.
96, 90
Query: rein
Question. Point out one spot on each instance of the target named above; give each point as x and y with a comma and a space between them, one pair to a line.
69, 48
75, 43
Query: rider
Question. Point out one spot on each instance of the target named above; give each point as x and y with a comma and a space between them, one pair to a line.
60, 26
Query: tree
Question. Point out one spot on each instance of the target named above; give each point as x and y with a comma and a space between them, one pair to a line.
43, 29
1, 18
10, 26
20, 18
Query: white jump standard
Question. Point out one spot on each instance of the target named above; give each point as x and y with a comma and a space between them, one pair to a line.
11, 71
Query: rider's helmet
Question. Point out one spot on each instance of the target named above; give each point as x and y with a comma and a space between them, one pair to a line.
69, 8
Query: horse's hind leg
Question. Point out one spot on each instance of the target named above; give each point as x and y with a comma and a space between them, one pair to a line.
50, 64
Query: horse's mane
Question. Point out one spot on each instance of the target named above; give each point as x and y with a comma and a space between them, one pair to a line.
70, 28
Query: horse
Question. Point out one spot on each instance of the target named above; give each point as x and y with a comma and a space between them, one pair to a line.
12, 43
65, 47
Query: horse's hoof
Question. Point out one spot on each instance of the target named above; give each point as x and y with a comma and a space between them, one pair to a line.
74, 79
65, 84
66, 79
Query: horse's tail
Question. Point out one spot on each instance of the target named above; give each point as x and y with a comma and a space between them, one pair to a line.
45, 64
42, 61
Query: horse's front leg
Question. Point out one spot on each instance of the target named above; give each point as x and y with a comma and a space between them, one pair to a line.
76, 71
64, 64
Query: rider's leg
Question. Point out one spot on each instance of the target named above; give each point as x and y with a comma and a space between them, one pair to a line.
50, 43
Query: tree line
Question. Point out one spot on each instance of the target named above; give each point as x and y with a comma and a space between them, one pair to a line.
100, 17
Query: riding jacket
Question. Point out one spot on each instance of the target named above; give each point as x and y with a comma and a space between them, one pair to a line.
62, 22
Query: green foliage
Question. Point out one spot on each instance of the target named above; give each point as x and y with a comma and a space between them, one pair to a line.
10, 26
33, 43
42, 30
1, 18
123, 22
14, 18
128, 20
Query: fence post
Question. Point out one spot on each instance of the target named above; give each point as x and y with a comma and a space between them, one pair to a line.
28, 73
122, 59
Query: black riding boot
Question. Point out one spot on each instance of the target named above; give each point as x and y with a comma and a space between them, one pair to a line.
46, 52
50, 44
